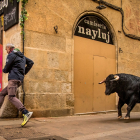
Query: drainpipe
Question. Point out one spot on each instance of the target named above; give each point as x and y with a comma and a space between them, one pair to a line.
23, 80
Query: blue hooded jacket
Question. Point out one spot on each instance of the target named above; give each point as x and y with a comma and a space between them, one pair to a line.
17, 65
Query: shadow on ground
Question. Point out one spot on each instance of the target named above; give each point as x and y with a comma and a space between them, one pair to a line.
16, 132
131, 120
49, 138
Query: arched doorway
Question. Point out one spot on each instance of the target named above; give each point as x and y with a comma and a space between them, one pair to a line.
94, 60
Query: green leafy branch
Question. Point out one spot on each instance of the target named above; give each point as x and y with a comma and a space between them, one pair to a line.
23, 15
11, 1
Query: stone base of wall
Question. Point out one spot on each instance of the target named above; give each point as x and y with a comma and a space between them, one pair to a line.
51, 113
8, 110
42, 105
49, 105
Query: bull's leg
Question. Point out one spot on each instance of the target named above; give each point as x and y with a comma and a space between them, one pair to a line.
120, 104
131, 104
129, 108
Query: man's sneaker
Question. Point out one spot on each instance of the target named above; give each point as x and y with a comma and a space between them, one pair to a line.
26, 118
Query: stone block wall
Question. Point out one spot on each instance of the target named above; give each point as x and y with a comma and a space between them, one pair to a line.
130, 58
48, 85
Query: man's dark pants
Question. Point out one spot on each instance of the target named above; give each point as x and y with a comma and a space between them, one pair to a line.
11, 91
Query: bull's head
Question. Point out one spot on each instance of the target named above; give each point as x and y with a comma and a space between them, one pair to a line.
111, 83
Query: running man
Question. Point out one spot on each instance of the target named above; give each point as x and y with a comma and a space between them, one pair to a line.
17, 65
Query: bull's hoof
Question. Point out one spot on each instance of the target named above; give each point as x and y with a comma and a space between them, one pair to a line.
126, 118
119, 117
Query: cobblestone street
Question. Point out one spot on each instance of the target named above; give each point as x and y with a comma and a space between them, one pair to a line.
86, 127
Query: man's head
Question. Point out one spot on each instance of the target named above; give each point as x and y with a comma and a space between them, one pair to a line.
9, 47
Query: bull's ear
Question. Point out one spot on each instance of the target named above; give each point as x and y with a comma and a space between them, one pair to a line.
102, 81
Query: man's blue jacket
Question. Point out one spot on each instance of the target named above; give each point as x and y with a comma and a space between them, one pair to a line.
17, 65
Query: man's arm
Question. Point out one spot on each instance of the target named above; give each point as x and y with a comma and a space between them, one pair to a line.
9, 61
29, 63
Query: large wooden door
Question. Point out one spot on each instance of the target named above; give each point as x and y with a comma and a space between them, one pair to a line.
93, 62
103, 66
84, 82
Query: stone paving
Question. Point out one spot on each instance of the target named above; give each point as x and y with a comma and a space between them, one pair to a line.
85, 127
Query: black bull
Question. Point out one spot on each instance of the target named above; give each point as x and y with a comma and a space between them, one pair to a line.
128, 89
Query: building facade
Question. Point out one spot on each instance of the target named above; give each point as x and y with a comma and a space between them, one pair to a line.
74, 44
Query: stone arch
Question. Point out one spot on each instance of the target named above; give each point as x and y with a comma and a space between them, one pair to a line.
86, 13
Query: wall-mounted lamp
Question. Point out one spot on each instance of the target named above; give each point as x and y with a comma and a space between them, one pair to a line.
120, 50
56, 28
100, 7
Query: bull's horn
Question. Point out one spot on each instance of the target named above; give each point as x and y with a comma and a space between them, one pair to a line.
116, 78
102, 81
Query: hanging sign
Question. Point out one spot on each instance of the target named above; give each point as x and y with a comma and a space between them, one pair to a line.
1, 58
10, 9
3, 4
94, 28
11, 14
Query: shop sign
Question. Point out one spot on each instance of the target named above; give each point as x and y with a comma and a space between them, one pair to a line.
3, 4
1, 58
10, 9
94, 28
